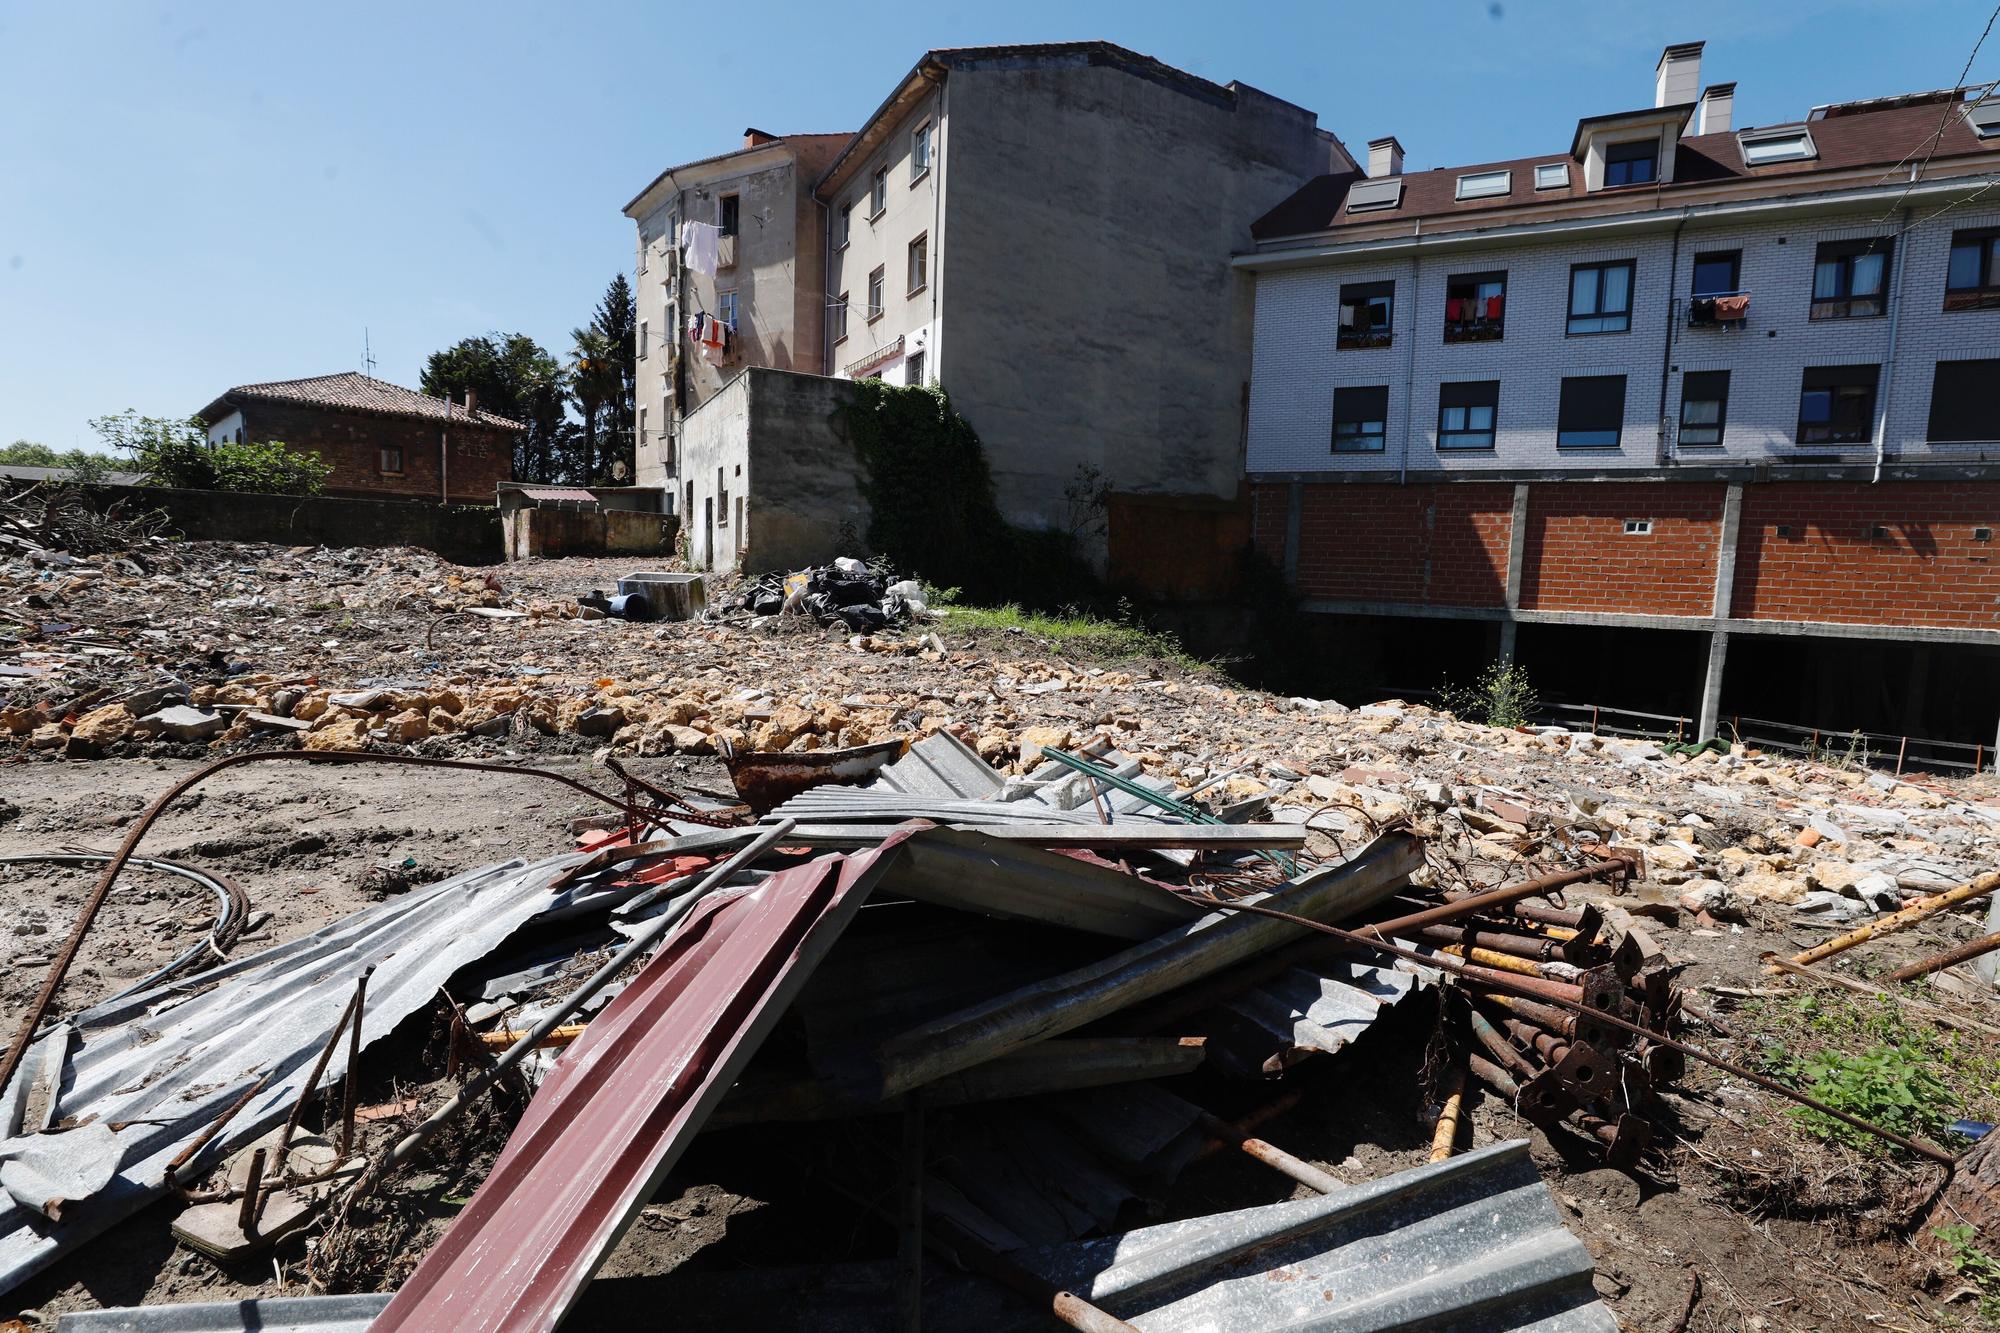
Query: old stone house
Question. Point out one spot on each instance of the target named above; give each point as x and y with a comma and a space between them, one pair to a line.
382, 440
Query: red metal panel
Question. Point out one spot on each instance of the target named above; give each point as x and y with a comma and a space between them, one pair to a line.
617, 1110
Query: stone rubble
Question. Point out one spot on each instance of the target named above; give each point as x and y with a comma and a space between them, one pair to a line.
214, 646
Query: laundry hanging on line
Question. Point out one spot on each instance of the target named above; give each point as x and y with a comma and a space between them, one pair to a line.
699, 241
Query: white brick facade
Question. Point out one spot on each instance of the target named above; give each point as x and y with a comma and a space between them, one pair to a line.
1296, 365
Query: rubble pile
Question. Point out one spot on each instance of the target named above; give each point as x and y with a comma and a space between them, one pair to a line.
852, 593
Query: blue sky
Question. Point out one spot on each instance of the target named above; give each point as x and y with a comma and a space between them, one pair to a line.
207, 194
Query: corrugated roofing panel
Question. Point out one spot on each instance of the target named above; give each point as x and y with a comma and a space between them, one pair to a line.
1473, 1244
165, 1063
576, 493
285, 1314
615, 1113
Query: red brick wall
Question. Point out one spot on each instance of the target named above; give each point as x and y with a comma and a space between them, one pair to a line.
351, 441
1446, 545
1439, 545
1926, 570
1579, 558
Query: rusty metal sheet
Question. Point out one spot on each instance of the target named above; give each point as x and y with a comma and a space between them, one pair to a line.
618, 1109
767, 780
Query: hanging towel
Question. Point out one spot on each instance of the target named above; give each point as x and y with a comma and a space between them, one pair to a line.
1454, 311
1495, 305
1729, 309
698, 239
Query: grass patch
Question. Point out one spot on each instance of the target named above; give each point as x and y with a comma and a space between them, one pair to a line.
1073, 630
1863, 1056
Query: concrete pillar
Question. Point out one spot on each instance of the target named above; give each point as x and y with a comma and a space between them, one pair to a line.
1295, 505
1725, 594
1517, 554
1711, 686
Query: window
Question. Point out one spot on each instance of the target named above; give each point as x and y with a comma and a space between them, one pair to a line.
920, 263
1635, 162
1984, 118
1704, 407
1475, 307
920, 152
1965, 402
1851, 278
1368, 196
840, 317
878, 194
843, 225
721, 499
1467, 413
1592, 412
1638, 527
1793, 145
673, 333
1360, 419
1837, 405
875, 283
726, 214
1600, 297
642, 425
1552, 176
725, 309
913, 372
688, 507
1717, 272
389, 459
1365, 311
642, 340
1972, 281
1485, 184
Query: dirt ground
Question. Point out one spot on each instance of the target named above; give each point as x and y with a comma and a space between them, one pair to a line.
1738, 1220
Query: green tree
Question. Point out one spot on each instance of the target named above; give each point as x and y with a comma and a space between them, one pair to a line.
617, 322
593, 383
172, 452
514, 378
26, 453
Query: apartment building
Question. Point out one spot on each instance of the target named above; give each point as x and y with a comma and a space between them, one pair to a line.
1045, 230
764, 290
1678, 396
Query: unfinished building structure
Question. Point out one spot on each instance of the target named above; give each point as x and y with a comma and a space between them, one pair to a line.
1684, 397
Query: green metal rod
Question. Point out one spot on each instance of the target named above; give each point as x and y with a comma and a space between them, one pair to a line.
1193, 814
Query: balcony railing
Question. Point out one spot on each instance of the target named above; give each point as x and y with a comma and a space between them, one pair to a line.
1368, 337
1719, 310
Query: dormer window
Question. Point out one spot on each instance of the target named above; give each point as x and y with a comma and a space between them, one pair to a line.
1634, 162
1485, 184
1552, 176
1984, 118
1369, 196
1762, 147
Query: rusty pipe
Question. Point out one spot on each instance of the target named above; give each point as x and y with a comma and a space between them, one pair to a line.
312, 1085
1492, 1075
1545, 1016
352, 1097
1616, 866
1536, 948
1573, 1001
1965, 952
1490, 1037
203, 1139
1305, 1173
1548, 1046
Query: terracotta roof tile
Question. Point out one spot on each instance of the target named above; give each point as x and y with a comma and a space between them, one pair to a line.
1856, 138
351, 391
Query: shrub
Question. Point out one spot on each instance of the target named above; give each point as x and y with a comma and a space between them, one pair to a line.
178, 453
1501, 697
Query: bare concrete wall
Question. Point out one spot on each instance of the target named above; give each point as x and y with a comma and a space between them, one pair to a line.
715, 449
1094, 318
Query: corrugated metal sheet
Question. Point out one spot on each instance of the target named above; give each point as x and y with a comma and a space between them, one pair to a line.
1308, 1011
1470, 1244
165, 1063
285, 1314
575, 493
619, 1107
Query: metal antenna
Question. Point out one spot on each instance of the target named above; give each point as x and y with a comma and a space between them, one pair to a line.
367, 355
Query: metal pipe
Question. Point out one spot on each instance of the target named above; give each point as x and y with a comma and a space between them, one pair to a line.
1446, 1134
1537, 948
351, 1100
1499, 962
1965, 952
253, 1196
643, 940
1489, 1037
1305, 1173
1547, 1016
1479, 902
38, 1010
1888, 925
312, 1085
1492, 1075
202, 1140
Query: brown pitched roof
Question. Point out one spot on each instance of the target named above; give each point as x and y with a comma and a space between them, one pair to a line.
351, 391
1848, 137
813, 150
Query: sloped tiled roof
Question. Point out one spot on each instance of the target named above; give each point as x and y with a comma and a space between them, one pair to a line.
352, 391
1857, 137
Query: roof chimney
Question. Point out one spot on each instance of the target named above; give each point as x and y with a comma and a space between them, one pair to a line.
1718, 104
755, 138
472, 402
1677, 78
1385, 158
